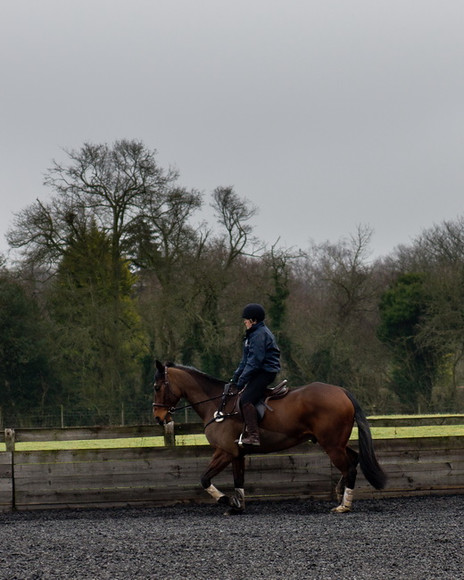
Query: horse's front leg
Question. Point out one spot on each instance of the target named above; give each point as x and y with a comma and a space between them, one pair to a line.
220, 460
237, 501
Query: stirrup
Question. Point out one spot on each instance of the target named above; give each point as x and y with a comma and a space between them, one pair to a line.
252, 440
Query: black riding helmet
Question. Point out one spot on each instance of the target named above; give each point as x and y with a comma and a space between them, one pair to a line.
254, 312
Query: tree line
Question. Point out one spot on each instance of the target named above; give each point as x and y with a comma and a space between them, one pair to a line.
116, 269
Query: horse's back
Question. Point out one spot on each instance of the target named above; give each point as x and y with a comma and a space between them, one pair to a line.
322, 395
314, 409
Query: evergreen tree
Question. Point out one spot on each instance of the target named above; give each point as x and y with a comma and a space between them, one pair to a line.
26, 379
403, 311
101, 349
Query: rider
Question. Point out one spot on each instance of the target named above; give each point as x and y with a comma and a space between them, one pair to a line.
258, 368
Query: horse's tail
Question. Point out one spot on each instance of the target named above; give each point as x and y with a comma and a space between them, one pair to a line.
374, 474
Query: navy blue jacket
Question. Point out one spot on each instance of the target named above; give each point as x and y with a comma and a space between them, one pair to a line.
260, 352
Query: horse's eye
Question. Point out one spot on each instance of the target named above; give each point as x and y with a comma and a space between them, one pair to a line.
157, 387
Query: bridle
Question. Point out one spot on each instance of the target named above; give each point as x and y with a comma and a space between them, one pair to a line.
172, 409
167, 388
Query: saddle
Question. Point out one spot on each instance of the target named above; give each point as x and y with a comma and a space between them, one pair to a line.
277, 392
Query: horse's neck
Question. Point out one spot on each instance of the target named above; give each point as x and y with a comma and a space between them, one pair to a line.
200, 393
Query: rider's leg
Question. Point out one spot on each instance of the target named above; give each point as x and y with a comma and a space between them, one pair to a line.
251, 395
250, 416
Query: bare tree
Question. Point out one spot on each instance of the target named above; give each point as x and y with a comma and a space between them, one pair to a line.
233, 214
109, 185
333, 316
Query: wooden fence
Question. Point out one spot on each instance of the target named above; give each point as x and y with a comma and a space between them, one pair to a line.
161, 475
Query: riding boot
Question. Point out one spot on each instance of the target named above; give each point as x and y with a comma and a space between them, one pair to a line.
250, 417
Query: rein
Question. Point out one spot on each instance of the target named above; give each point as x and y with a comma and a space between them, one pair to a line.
189, 406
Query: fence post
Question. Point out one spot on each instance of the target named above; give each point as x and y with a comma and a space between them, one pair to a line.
169, 435
10, 440
10, 447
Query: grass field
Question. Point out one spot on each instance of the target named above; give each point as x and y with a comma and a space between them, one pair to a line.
377, 433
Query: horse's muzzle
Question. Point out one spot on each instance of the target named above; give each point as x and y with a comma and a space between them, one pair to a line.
162, 416
160, 421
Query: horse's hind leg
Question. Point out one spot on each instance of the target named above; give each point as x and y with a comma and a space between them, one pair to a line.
346, 460
348, 480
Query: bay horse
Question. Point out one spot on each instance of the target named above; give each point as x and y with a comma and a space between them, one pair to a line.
318, 412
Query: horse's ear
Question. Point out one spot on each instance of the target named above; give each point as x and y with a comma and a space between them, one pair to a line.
159, 366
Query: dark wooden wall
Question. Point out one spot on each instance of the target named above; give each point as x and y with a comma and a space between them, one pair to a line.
167, 474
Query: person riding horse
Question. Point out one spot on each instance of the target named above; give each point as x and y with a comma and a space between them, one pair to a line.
257, 370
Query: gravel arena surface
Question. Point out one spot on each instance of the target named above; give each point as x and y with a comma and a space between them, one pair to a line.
413, 538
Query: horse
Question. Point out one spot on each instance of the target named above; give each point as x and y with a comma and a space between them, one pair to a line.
317, 412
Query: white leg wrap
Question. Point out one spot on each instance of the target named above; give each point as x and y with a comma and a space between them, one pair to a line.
214, 492
347, 502
347, 497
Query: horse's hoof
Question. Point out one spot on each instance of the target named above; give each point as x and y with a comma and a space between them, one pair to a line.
224, 500
341, 509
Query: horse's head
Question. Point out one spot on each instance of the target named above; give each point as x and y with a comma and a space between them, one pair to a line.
164, 397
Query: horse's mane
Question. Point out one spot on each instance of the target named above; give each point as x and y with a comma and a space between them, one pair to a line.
194, 371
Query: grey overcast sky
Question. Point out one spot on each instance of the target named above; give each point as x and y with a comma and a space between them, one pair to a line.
325, 114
